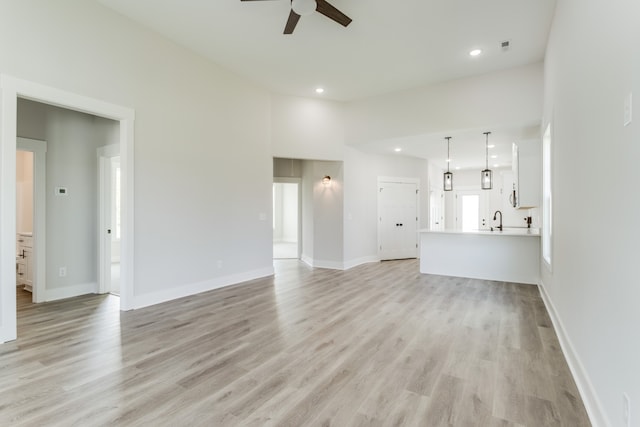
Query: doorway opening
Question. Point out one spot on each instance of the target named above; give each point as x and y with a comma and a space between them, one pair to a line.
24, 219
110, 218
12, 90
471, 210
30, 216
286, 219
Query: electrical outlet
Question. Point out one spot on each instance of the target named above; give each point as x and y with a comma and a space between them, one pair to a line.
62, 272
626, 409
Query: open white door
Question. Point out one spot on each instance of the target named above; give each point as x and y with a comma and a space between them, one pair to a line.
109, 230
472, 210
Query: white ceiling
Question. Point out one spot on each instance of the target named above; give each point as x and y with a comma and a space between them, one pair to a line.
389, 46
467, 147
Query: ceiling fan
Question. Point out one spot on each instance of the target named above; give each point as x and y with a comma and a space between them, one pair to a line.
307, 7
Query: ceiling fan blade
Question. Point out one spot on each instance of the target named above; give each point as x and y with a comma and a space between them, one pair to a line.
332, 13
291, 22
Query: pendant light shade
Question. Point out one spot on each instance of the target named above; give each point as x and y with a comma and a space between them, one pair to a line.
486, 176
448, 176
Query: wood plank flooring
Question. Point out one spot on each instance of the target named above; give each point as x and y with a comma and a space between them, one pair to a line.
377, 345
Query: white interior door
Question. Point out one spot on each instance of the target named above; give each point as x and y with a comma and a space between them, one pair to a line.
436, 210
110, 219
397, 220
472, 210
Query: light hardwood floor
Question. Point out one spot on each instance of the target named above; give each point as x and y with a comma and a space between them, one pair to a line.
377, 345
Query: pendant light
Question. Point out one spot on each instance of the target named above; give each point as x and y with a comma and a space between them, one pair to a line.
486, 175
448, 176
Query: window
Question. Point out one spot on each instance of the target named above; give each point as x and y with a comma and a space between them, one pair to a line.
470, 212
547, 200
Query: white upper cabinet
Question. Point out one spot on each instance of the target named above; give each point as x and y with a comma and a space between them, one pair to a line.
527, 174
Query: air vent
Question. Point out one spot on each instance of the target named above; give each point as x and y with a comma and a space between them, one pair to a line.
505, 45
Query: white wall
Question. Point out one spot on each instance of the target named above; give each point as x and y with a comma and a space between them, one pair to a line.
203, 168
307, 128
322, 244
361, 199
510, 97
592, 62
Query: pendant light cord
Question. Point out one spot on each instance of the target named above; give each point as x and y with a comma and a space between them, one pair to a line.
486, 147
448, 138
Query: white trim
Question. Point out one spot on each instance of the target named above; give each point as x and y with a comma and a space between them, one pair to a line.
10, 89
587, 391
399, 180
336, 265
70, 291
314, 263
331, 265
307, 260
359, 261
140, 301
39, 150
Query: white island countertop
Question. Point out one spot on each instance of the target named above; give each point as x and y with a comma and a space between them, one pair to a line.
508, 231
511, 255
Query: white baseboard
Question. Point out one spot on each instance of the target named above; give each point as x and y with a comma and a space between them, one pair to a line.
315, 263
140, 301
70, 291
589, 396
337, 265
306, 259
359, 261
332, 265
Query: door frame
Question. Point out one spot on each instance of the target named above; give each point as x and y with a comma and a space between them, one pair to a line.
287, 180
39, 150
11, 89
398, 180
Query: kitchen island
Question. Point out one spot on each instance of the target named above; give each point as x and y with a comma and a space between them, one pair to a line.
512, 255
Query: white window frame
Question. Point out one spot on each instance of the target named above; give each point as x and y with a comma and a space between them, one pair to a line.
547, 198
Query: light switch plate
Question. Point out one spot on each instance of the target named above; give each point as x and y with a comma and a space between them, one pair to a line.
627, 109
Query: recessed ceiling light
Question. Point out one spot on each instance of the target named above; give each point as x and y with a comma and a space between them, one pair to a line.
475, 52
457, 168
496, 165
319, 90
495, 156
492, 146
397, 150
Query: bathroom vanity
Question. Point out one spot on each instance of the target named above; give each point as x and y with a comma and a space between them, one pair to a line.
24, 261
510, 255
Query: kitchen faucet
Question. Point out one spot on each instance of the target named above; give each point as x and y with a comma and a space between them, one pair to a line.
494, 218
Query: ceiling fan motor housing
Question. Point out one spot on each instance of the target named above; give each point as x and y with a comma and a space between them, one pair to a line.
304, 7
